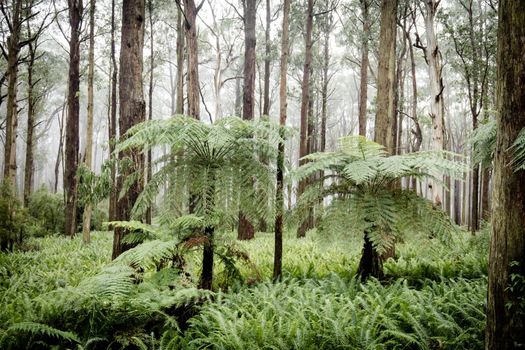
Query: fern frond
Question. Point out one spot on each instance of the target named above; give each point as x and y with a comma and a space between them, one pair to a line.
149, 255
135, 226
113, 280
483, 141
518, 151
40, 329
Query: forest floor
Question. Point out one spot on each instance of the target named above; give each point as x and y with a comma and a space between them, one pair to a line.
59, 292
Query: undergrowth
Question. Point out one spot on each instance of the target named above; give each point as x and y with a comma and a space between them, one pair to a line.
64, 294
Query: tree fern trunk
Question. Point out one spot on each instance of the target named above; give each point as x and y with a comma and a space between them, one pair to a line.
207, 260
246, 230
371, 264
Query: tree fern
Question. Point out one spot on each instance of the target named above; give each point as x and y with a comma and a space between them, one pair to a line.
223, 175
224, 148
360, 180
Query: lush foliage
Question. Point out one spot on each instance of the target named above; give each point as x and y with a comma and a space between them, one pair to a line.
13, 218
483, 140
48, 210
67, 294
214, 163
362, 183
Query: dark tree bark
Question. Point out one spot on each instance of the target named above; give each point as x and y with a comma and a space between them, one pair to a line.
505, 326
278, 255
363, 75
474, 190
385, 116
325, 81
149, 172
305, 104
73, 110
206, 280
246, 229
371, 264
132, 109
485, 196
31, 101
112, 129
457, 202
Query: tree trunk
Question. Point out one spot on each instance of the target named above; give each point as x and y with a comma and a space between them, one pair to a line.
190, 11
179, 109
31, 100
437, 106
385, 122
13, 49
238, 97
279, 200
149, 172
363, 83
60, 147
73, 110
305, 104
112, 129
267, 53
324, 87
485, 196
457, 202
474, 190
86, 217
132, 108
371, 264
385, 116
246, 230
206, 280
505, 325
416, 130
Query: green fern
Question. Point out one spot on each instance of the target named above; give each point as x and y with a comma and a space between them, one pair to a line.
518, 150
360, 180
41, 330
223, 152
483, 140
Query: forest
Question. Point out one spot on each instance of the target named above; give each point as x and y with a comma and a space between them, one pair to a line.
262, 174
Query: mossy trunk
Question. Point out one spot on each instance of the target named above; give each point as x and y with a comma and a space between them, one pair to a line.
505, 326
371, 264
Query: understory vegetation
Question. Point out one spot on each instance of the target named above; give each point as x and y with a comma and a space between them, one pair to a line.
60, 293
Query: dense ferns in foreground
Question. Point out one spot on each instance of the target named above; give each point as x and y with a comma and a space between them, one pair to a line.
66, 295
